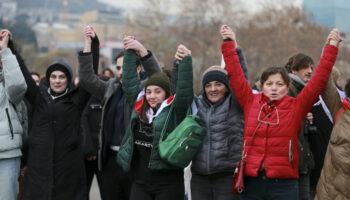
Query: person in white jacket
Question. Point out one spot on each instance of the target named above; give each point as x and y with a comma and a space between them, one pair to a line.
12, 90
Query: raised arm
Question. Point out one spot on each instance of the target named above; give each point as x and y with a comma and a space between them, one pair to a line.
88, 65
14, 82
238, 82
309, 95
184, 86
149, 63
131, 82
331, 97
148, 60
242, 61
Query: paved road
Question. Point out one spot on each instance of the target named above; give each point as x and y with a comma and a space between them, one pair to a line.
94, 192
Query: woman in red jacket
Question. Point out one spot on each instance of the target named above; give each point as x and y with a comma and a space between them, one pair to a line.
273, 121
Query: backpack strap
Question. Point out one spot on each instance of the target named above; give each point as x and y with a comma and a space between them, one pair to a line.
165, 126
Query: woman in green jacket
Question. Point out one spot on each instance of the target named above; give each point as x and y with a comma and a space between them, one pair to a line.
153, 178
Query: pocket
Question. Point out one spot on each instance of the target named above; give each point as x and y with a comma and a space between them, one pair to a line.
291, 153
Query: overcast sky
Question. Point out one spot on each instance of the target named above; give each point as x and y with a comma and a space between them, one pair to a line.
255, 4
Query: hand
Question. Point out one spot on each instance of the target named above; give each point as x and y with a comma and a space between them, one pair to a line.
91, 158
5, 36
310, 118
181, 52
89, 33
227, 33
130, 43
334, 38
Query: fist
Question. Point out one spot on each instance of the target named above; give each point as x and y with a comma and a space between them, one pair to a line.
181, 52
334, 38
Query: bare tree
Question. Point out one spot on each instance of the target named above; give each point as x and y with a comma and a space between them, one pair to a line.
269, 37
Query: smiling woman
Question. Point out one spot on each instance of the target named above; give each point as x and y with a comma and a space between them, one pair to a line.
221, 117
215, 83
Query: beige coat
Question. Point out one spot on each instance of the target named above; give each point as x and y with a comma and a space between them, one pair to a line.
334, 182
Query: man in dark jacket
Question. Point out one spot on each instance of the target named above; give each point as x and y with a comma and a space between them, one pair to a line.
115, 117
90, 129
300, 67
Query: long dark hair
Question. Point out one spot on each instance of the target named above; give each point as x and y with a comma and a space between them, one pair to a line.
145, 107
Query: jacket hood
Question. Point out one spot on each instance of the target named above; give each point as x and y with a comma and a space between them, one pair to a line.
62, 65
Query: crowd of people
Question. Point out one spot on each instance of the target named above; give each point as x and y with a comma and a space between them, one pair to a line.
57, 131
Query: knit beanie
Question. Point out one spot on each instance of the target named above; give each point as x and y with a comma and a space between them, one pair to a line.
215, 73
60, 65
161, 80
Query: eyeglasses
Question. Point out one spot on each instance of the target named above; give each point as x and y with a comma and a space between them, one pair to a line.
266, 122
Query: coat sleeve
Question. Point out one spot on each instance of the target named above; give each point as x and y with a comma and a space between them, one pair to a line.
242, 61
150, 64
32, 89
83, 94
15, 84
309, 94
331, 97
131, 82
88, 66
173, 79
184, 88
238, 81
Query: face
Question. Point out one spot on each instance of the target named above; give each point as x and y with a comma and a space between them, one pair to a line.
305, 73
119, 68
108, 74
274, 87
58, 81
155, 95
36, 79
215, 91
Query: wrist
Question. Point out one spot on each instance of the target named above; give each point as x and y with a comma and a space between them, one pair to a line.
143, 52
86, 50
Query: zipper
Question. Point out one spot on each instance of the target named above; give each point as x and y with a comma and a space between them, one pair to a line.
150, 158
9, 120
209, 139
291, 152
184, 140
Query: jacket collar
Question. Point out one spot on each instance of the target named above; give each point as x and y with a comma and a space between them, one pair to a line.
58, 95
265, 100
150, 113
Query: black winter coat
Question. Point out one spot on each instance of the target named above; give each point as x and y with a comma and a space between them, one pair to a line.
91, 124
55, 167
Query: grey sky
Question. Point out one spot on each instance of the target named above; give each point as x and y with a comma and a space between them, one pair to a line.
255, 4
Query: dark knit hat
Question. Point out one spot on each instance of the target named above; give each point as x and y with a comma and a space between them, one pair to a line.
215, 73
161, 80
60, 65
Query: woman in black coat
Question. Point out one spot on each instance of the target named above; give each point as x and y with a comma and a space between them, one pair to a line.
55, 167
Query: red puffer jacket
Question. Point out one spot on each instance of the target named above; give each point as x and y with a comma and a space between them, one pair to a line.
276, 125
